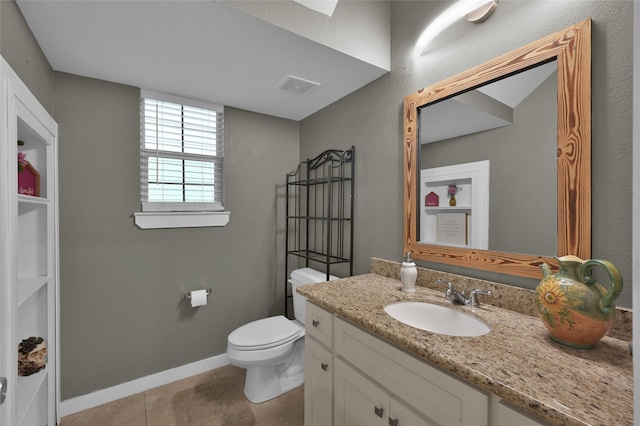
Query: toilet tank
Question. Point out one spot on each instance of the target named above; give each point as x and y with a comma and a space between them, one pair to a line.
300, 277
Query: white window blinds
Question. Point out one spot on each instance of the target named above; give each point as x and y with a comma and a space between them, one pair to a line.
181, 154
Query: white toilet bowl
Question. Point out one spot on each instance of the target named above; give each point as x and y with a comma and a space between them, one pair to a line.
272, 349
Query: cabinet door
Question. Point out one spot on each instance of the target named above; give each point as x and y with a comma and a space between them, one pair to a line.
318, 383
401, 414
358, 401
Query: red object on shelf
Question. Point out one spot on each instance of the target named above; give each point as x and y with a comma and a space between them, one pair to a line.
431, 200
29, 181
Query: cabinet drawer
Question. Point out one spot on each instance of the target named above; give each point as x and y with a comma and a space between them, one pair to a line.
319, 324
435, 393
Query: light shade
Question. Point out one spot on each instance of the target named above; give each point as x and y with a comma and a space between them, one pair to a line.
456, 11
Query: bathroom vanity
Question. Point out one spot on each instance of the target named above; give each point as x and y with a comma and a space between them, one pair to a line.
363, 367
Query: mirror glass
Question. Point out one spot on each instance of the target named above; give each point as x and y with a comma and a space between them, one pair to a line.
521, 198
511, 124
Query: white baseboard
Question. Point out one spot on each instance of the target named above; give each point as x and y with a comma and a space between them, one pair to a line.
103, 396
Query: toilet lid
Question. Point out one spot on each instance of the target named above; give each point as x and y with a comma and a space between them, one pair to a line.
264, 333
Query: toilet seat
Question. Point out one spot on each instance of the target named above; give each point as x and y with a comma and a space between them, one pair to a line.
272, 349
264, 333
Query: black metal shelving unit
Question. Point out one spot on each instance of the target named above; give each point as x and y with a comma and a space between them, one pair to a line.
319, 208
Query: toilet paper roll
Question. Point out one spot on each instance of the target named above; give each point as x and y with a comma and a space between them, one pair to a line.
198, 298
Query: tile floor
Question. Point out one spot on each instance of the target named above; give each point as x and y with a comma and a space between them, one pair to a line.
153, 407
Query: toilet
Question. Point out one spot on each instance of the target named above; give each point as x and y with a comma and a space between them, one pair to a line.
272, 349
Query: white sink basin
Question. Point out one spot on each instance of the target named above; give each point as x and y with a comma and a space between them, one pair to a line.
437, 319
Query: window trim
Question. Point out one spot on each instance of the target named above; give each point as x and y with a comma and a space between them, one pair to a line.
180, 216
164, 220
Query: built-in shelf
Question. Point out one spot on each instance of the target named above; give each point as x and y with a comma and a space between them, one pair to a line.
472, 201
27, 287
28, 199
28, 389
447, 208
29, 243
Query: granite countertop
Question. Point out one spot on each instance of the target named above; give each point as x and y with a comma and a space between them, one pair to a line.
516, 361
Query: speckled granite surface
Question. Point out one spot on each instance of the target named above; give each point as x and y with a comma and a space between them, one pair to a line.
504, 296
516, 360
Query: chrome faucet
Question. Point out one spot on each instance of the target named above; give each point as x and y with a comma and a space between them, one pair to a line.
448, 293
461, 297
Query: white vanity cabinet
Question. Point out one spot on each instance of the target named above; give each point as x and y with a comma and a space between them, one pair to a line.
356, 378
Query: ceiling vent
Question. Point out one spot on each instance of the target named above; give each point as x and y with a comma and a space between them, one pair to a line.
297, 85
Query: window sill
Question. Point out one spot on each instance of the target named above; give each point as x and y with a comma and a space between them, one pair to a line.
161, 220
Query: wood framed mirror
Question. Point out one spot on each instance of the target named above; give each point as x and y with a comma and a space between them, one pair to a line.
571, 49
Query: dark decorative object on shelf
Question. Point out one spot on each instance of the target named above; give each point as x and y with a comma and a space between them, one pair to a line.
28, 177
32, 356
432, 200
21, 158
452, 190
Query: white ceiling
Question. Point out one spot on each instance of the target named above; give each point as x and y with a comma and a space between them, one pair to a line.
203, 50
469, 113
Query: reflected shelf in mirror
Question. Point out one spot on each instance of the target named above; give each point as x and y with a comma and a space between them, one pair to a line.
521, 150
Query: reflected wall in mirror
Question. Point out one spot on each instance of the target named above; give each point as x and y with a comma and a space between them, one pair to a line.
511, 124
563, 213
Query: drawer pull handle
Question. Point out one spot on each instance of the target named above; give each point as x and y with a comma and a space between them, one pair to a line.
379, 411
393, 422
324, 366
315, 323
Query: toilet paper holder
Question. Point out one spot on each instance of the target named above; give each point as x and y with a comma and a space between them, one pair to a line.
187, 295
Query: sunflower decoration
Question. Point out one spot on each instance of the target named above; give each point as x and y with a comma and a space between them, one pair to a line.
553, 305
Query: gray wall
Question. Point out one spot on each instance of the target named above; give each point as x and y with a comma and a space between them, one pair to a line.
121, 313
19, 48
371, 118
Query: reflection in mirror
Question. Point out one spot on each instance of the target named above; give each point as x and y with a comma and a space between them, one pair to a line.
517, 179
511, 126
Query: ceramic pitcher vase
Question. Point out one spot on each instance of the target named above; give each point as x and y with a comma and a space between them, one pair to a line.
577, 310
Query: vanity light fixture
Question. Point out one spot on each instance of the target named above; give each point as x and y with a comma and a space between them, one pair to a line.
475, 11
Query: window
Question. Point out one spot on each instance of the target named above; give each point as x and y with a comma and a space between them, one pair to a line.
181, 157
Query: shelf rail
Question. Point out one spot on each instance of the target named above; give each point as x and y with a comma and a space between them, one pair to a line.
319, 208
